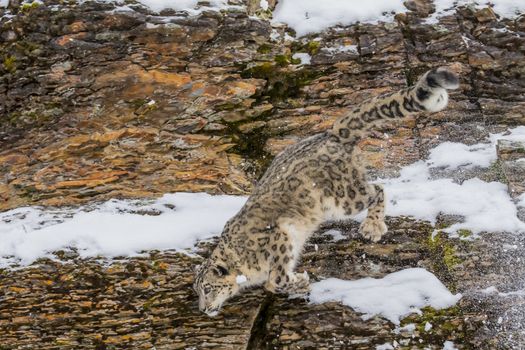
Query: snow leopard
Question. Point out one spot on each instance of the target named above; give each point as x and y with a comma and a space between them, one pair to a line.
315, 180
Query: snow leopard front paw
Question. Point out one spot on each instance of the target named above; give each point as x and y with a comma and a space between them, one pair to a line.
300, 288
373, 229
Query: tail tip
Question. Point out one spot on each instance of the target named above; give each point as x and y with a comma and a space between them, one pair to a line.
442, 77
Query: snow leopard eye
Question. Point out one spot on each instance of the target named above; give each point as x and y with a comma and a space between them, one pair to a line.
220, 270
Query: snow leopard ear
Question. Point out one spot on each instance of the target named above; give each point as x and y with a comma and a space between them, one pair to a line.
219, 270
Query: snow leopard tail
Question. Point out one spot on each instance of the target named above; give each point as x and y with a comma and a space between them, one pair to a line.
429, 94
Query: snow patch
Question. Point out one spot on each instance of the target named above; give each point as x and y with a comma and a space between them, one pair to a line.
448, 345
394, 296
119, 228
385, 346
485, 206
337, 235
115, 228
504, 8
454, 155
304, 57
4, 3
179, 5
192, 7
409, 328
341, 49
312, 16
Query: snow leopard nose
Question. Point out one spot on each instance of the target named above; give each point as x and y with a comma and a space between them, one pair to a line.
212, 312
202, 305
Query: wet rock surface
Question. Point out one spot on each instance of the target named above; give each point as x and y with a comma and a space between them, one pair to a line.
97, 104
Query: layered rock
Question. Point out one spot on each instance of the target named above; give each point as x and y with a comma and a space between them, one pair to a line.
96, 103
134, 105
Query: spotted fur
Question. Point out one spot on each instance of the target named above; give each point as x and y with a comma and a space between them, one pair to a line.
315, 180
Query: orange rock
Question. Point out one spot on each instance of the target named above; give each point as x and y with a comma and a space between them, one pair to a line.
77, 26
14, 159
22, 320
146, 285
18, 289
203, 34
162, 265
276, 145
139, 82
95, 179
54, 316
241, 88
66, 39
108, 137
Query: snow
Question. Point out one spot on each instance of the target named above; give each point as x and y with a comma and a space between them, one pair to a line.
504, 8
385, 346
493, 290
489, 290
394, 296
264, 4
409, 328
115, 228
179, 5
341, 49
507, 8
454, 155
4, 3
448, 345
428, 326
240, 279
119, 228
193, 7
485, 206
304, 57
337, 235
312, 16
519, 293
521, 200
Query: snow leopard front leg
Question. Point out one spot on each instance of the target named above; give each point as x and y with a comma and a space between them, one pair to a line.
285, 249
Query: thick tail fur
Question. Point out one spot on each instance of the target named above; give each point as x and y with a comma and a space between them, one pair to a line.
429, 94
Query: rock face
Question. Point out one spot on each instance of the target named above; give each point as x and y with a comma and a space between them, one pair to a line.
97, 104
511, 155
134, 105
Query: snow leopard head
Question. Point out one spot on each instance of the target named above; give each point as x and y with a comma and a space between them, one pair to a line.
214, 284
